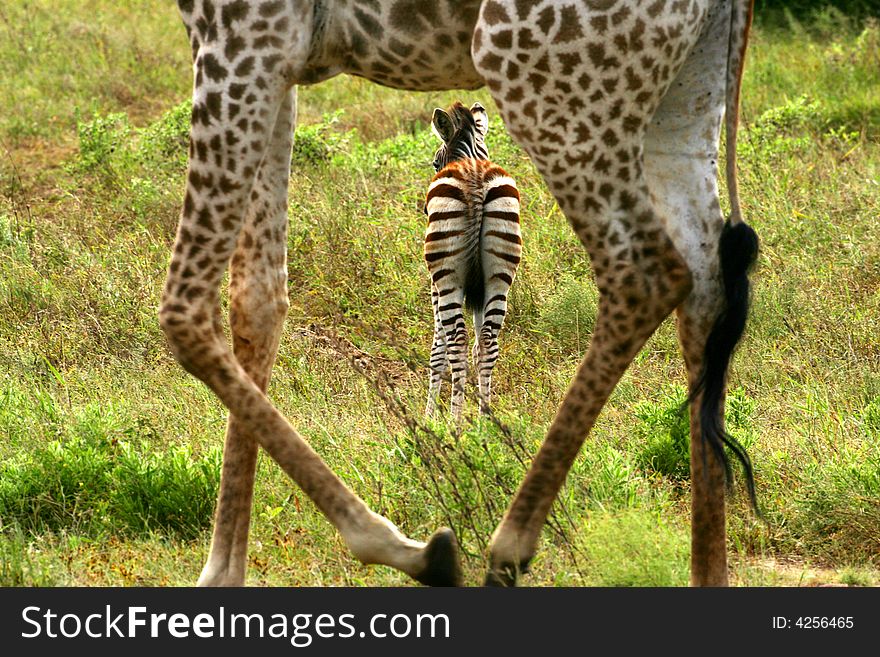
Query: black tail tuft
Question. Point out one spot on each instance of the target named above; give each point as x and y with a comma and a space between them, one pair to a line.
738, 250
474, 284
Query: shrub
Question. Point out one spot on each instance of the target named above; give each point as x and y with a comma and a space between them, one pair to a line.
171, 492
64, 485
664, 430
608, 478
782, 130
319, 142
103, 142
167, 138
92, 482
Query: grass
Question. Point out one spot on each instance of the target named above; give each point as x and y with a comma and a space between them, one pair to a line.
110, 452
103, 474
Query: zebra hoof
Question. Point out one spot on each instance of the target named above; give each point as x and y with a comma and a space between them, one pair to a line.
441, 554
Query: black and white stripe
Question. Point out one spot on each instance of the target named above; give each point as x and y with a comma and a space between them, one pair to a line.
462, 132
473, 246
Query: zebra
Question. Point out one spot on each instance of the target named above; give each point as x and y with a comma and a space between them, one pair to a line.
473, 246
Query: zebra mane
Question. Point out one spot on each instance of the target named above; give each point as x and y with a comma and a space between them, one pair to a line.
463, 137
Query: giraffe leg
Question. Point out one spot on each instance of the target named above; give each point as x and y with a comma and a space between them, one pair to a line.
579, 96
681, 155
708, 528
226, 155
258, 306
632, 305
696, 316
439, 363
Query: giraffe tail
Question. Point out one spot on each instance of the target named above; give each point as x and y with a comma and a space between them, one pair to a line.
740, 22
737, 251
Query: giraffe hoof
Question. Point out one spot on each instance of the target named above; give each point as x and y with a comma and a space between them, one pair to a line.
505, 575
502, 578
441, 555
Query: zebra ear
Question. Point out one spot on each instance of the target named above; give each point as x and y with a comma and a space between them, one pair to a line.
442, 126
480, 118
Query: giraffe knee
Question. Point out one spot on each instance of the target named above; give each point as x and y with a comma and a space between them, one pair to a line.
258, 300
648, 286
679, 278
191, 331
255, 317
669, 279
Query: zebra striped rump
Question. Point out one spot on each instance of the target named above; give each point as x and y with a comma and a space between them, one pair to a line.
473, 246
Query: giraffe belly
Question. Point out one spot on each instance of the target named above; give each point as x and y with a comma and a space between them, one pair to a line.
432, 76
681, 146
416, 45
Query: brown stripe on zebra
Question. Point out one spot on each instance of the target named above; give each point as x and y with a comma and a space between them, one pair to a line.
504, 256
431, 256
446, 190
507, 237
443, 216
506, 216
437, 235
441, 273
499, 192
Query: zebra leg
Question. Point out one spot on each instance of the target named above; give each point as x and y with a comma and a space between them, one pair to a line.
476, 353
501, 244
456, 341
494, 313
452, 324
439, 359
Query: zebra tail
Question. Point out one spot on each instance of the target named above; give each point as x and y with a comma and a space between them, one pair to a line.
474, 282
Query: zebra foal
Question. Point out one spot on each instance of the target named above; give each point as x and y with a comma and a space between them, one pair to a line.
473, 246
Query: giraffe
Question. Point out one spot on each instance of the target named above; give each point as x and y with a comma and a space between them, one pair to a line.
619, 104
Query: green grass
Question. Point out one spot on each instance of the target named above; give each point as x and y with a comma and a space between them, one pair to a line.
65, 56
109, 457
636, 548
102, 474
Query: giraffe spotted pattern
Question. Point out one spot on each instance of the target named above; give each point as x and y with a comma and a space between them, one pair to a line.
619, 103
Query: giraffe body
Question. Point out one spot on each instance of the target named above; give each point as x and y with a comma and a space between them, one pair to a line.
618, 103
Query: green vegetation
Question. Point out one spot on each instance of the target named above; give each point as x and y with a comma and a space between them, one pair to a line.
813, 13
109, 455
636, 548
